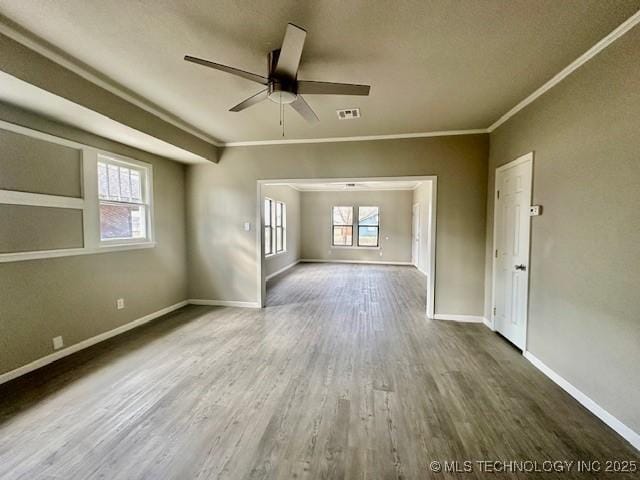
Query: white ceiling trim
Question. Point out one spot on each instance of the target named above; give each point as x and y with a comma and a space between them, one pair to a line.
362, 138
623, 28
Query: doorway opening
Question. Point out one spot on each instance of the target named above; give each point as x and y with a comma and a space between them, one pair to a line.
364, 220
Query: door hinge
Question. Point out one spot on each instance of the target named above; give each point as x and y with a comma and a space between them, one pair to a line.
494, 310
496, 253
498, 193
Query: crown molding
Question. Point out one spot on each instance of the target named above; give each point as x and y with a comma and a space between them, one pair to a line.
623, 28
14, 31
362, 138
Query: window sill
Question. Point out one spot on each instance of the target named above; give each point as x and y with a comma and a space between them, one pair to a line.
71, 252
354, 247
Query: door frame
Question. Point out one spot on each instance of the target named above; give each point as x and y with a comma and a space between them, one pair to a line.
414, 207
526, 158
259, 219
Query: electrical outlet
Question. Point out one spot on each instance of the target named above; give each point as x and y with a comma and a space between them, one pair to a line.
120, 303
58, 343
535, 210
380, 253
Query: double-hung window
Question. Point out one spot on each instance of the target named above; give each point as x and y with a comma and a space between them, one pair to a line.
268, 227
281, 221
124, 201
368, 226
342, 226
275, 227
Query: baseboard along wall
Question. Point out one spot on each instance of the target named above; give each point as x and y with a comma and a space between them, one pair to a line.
620, 428
369, 262
623, 430
460, 318
89, 342
282, 270
41, 362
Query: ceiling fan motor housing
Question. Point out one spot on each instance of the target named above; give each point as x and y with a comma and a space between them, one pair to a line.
281, 90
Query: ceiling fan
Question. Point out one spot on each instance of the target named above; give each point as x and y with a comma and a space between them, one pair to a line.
282, 84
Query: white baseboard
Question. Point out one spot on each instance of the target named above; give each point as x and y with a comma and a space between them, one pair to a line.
488, 323
459, 318
624, 431
282, 270
41, 362
372, 262
223, 303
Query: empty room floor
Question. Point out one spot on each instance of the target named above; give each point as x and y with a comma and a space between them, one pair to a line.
340, 377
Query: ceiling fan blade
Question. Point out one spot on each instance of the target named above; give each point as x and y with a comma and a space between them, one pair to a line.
241, 73
328, 88
257, 98
303, 108
291, 52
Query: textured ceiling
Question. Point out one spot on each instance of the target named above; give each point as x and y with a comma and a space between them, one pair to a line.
433, 65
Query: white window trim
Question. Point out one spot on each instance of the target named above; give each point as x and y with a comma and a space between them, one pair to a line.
147, 196
88, 202
356, 223
273, 227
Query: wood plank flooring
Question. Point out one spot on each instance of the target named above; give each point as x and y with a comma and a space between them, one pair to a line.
341, 377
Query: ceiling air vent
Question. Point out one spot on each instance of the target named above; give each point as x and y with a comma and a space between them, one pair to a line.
348, 114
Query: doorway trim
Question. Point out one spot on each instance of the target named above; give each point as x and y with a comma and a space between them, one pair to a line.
526, 158
259, 220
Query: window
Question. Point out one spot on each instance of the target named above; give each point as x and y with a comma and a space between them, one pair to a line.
280, 227
268, 229
275, 227
124, 201
342, 228
368, 226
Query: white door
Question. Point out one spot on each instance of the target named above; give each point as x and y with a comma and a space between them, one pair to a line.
511, 249
415, 236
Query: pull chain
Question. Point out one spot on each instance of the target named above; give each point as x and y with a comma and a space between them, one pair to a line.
281, 114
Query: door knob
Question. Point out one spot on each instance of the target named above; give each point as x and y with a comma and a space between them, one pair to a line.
521, 267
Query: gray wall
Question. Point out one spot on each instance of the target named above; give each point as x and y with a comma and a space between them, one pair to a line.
422, 196
584, 307
291, 198
76, 296
395, 225
222, 256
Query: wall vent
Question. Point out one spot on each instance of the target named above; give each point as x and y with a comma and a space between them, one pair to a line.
348, 114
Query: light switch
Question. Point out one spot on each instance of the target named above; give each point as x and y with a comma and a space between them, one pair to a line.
247, 226
535, 210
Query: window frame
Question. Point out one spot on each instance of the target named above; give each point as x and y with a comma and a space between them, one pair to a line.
376, 226
282, 226
87, 202
270, 226
146, 189
340, 225
273, 227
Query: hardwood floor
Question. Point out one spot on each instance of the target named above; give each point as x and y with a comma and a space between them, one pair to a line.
340, 377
